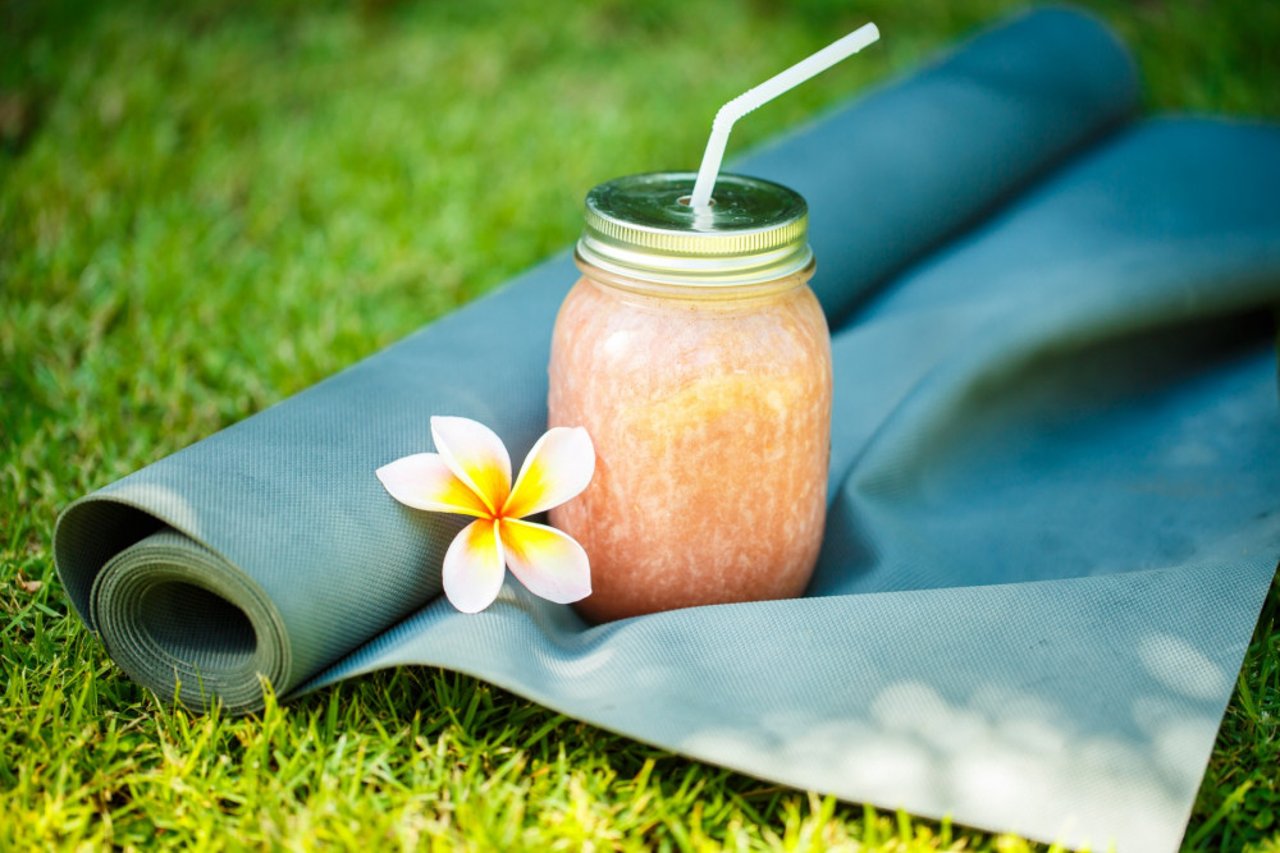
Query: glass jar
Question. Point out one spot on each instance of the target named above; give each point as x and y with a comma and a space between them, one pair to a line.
699, 360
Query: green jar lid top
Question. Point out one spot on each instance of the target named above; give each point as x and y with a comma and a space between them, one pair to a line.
642, 226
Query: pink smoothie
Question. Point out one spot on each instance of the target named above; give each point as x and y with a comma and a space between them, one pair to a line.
710, 411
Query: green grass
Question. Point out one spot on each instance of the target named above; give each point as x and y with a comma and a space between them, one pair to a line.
204, 211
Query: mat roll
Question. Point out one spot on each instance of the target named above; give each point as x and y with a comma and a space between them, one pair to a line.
1055, 496
178, 614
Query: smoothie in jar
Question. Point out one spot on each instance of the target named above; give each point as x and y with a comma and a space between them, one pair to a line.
697, 357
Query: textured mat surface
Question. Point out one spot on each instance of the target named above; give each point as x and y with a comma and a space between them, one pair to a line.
1055, 490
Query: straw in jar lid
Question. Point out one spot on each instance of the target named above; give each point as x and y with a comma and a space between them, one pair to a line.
669, 227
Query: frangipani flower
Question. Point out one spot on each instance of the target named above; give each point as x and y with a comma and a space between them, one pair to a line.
471, 475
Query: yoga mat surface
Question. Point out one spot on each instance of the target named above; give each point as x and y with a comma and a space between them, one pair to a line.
1054, 480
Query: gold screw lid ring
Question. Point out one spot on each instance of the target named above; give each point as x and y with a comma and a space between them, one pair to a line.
643, 227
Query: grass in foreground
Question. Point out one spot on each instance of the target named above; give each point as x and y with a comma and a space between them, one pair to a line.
204, 211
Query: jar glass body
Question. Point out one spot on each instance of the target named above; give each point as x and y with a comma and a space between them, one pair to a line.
710, 411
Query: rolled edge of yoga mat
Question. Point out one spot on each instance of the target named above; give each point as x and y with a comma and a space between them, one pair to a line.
185, 622
283, 508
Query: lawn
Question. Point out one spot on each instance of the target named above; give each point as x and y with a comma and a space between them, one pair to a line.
206, 209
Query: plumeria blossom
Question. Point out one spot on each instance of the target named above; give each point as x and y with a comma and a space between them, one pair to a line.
470, 474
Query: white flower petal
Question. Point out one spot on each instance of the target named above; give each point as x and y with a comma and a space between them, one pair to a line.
476, 456
558, 468
551, 564
474, 567
423, 481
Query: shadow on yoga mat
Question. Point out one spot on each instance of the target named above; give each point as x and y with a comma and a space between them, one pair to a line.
1054, 479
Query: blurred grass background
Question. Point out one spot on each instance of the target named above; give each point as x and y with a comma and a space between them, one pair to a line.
208, 206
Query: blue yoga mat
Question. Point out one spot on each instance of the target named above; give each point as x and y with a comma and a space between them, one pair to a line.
1055, 490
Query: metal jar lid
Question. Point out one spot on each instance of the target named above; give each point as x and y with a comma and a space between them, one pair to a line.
641, 226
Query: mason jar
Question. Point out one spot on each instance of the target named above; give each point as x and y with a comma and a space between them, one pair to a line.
697, 357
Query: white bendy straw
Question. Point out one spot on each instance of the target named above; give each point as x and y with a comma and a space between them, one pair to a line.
762, 94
